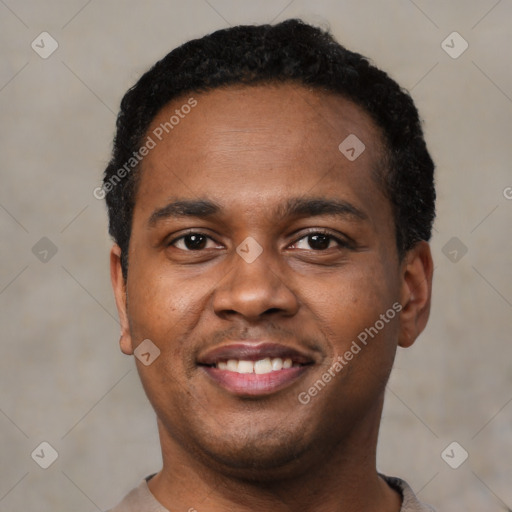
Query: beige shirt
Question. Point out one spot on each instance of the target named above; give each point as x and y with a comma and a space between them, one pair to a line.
140, 499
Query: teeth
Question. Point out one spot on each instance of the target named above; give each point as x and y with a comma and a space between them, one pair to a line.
277, 364
245, 366
232, 365
259, 367
263, 366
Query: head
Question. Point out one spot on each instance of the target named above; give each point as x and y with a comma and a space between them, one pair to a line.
241, 223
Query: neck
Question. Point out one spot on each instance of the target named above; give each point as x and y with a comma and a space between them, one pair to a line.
342, 479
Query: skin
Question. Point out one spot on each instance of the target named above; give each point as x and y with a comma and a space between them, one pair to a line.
250, 149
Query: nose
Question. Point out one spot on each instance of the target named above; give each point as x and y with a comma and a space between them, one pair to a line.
252, 290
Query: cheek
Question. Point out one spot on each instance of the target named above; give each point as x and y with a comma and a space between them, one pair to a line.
166, 308
154, 309
158, 296
351, 304
161, 312
362, 342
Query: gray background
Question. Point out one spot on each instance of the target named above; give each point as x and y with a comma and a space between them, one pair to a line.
63, 378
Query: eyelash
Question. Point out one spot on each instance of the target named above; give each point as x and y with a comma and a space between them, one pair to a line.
342, 243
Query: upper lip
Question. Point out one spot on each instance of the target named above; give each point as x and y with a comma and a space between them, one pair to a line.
253, 351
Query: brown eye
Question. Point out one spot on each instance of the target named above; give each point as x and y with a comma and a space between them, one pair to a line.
319, 241
194, 242
191, 242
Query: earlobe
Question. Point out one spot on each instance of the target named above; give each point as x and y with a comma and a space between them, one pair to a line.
417, 272
119, 287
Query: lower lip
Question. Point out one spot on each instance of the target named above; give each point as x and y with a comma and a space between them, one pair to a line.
252, 384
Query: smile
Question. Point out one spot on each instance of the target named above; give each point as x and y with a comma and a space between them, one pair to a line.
254, 369
260, 367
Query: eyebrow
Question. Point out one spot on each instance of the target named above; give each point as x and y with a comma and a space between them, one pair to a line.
294, 207
201, 208
314, 207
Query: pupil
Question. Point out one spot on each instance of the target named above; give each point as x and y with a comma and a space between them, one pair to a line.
319, 241
194, 241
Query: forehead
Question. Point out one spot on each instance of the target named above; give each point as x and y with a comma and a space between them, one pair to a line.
252, 144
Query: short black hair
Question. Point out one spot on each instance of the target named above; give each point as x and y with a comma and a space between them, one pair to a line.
290, 51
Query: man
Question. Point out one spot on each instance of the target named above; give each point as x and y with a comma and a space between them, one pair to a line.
271, 199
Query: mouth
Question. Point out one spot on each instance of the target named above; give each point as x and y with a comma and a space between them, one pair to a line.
248, 369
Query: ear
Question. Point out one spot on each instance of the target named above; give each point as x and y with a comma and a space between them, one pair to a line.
416, 293
119, 287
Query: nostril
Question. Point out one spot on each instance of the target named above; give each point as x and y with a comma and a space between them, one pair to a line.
272, 310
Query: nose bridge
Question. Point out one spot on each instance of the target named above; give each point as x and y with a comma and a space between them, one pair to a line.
253, 266
253, 285
252, 270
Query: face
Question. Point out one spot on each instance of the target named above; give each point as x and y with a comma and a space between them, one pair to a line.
259, 254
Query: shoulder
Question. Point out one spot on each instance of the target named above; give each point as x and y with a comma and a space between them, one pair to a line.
410, 502
139, 499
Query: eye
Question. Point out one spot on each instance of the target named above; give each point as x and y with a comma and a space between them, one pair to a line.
319, 241
193, 241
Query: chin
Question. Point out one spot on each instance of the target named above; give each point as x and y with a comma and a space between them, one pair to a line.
254, 462
252, 455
